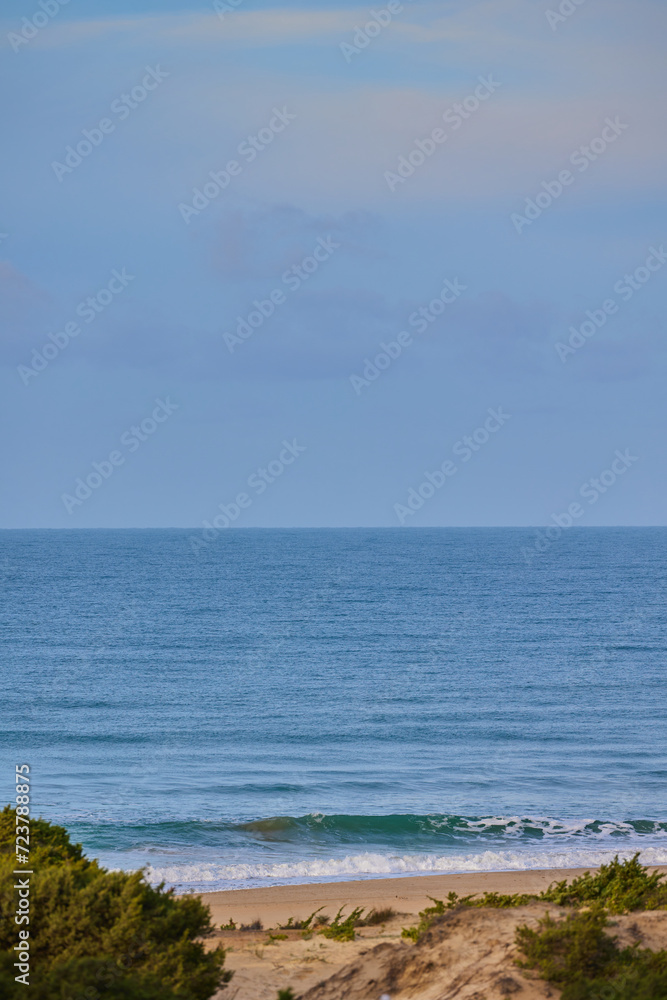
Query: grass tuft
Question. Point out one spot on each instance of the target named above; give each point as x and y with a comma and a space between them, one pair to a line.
343, 930
376, 917
315, 919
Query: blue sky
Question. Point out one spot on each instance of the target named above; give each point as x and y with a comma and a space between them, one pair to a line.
332, 126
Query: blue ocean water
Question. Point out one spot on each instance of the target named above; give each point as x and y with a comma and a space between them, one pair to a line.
291, 706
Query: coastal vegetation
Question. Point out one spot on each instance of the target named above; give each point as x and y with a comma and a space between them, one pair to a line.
340, 928
578, 953
343, 929
618, 887
579, 956
315, 918
98, 934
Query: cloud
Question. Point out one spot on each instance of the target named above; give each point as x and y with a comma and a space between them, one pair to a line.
255, 28
325, 175
473, 30
343, 142
355, 122
263, 241
328, 334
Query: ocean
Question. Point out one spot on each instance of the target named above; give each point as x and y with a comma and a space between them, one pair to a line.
288, 706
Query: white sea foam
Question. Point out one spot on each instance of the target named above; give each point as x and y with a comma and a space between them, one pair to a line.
371, 865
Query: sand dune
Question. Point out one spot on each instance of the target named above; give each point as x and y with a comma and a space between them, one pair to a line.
470, 954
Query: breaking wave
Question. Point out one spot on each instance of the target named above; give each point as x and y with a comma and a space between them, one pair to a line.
375, 865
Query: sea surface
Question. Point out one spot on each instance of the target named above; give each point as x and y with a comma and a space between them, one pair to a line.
313, 705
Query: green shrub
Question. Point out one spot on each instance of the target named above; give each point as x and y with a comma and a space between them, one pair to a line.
338, 930
343, 930
431, 914
100, 935
578, 956
565, 950
619, 886
305, 925
428, 916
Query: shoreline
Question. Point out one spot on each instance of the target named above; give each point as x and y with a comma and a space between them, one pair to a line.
407, 895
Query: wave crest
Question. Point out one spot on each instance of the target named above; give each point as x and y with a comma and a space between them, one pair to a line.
443, 828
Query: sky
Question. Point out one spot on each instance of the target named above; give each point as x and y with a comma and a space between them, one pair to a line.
470, 194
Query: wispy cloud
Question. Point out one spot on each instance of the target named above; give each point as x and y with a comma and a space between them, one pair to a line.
246, 243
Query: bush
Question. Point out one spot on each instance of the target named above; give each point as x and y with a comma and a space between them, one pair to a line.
619, 886
577, 955
565, 950
100, 935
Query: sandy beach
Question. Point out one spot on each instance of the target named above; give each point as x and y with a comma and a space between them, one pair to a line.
475, 952
274, 905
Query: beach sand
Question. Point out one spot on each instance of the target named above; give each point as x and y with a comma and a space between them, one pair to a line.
475, 958
276, 904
